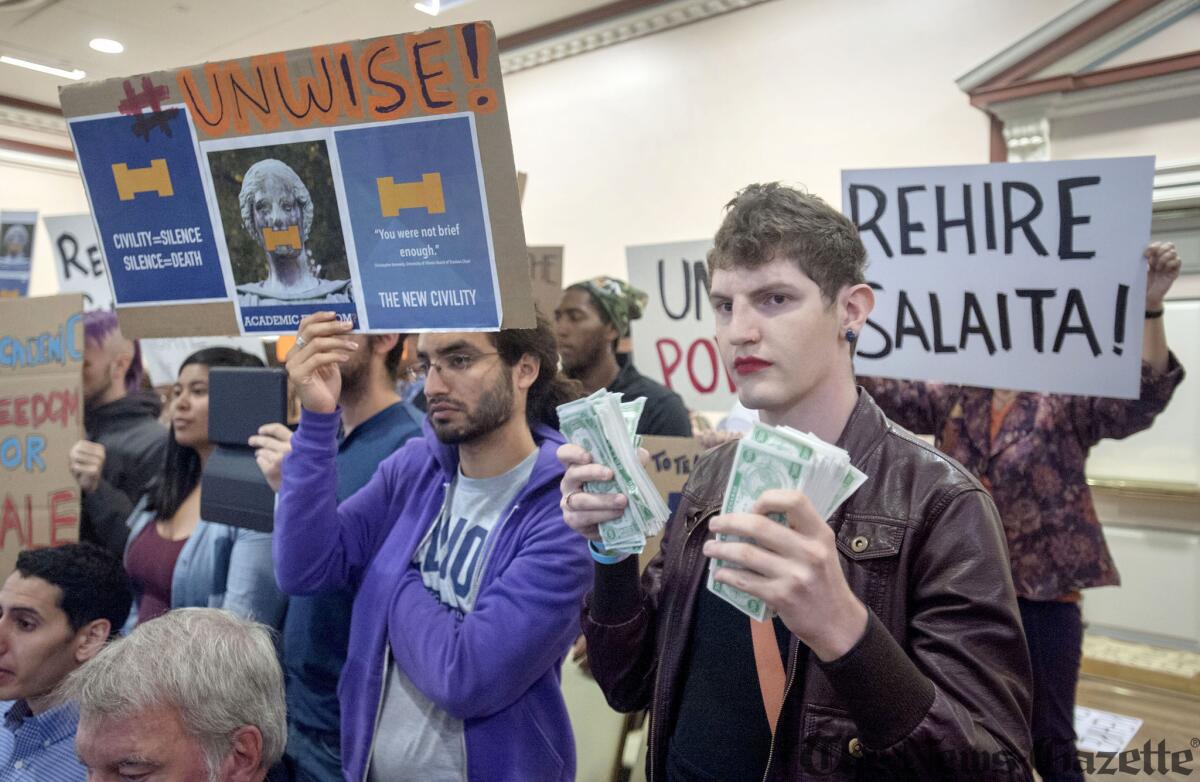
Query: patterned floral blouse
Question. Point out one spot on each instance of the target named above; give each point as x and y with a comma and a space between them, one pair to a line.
1034, 467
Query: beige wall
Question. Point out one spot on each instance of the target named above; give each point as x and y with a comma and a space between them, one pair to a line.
645, 141
1169, 130
49, 192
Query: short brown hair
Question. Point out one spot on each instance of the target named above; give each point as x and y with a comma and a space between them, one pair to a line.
768, 221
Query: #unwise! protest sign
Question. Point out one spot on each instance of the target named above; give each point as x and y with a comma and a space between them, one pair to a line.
78, 261
373, 178
1023, 275
41, 417
674, 340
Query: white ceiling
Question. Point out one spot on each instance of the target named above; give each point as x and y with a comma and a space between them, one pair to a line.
161, 34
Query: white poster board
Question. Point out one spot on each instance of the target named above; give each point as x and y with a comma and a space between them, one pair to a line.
674, 340
1017, 275
78, 261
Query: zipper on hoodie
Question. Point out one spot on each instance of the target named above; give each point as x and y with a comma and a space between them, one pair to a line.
387, 653
378, 711
488, 545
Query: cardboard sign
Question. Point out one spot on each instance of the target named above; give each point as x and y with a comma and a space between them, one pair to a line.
16, 252
78, 261
674, 341
41, 417
371, 178
671, 463
545, 271
1026, 276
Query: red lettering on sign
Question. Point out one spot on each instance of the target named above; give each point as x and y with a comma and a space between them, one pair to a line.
10, 519
58, 520
704, 388
56, 407
668, 366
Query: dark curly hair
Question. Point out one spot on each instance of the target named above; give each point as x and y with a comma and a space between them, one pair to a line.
768, 221
92, 581
551, 388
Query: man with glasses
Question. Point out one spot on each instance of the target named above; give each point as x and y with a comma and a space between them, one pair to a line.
467, 583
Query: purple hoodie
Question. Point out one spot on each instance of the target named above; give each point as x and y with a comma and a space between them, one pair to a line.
498, 667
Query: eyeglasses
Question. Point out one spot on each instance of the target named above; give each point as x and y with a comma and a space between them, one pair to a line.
449, 366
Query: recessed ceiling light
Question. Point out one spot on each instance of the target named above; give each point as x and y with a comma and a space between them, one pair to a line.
434, 7
106, 45
74, 74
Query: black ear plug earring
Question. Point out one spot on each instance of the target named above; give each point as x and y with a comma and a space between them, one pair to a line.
851, 337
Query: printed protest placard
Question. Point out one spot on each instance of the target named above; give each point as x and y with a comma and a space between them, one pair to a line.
78, 261
16, 252
1026, 276
674, 341
41, 417
545, 271
373, 178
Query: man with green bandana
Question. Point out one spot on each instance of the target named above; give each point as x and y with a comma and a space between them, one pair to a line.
589, 322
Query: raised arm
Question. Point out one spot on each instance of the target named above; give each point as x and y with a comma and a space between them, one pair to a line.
318, 544
1097, 418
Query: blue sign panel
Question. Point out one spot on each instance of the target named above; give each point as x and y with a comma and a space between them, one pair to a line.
150, 206
419, 225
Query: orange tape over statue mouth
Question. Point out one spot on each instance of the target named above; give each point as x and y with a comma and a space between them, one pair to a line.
426, 194
289, 237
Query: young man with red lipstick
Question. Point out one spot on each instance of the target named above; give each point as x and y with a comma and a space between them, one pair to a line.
896, 650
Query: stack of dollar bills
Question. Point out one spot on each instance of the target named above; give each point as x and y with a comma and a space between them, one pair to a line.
607, 428
779, 457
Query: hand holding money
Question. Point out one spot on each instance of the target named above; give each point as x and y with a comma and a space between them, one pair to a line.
583, 511
793, 568
605, 427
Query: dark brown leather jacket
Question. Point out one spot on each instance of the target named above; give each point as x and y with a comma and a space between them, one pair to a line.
937, 688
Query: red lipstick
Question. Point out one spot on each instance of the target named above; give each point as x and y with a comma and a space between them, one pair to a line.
748, 365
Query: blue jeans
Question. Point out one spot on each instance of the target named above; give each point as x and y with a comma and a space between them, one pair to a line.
312, 756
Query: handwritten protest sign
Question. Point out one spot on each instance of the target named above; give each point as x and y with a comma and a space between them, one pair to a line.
373, 178
78, 261
674, 341
545, 271
1022, 275
16, 252
671, 462
41, 417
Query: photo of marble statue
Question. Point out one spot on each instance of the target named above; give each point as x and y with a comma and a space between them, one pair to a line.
16, 248
281, 225
278, 212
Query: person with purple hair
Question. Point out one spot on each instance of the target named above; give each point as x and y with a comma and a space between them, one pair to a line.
125, 442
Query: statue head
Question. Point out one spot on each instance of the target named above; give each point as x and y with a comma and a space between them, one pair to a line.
275, 202
16, 239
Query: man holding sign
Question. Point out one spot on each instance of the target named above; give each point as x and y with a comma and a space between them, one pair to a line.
897, 649
466, 583
1030, 450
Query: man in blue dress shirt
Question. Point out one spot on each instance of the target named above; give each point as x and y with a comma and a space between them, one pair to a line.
316, 633
57, 610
